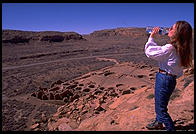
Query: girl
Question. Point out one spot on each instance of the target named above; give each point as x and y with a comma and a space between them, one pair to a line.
172, 58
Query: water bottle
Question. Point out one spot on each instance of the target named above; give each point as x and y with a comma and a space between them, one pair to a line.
162, 31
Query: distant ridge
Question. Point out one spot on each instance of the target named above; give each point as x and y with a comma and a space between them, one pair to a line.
19, 36
129, 31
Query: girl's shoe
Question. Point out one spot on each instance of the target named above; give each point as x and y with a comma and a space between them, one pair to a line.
155, 125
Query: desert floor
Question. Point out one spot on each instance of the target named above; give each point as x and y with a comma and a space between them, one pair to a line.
26, 68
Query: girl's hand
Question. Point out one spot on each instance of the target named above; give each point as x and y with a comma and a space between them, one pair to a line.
154, 31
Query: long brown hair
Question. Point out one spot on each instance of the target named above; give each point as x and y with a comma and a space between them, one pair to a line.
182, 41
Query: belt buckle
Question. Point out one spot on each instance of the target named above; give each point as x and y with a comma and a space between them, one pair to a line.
162, 71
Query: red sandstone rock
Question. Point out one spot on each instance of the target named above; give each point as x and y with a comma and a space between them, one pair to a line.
118, 107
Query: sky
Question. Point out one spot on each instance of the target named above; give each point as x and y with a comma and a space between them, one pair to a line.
85, 18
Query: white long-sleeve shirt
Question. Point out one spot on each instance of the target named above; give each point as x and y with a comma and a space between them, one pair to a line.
166, 56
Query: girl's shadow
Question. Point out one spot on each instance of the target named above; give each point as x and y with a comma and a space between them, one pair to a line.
187, 128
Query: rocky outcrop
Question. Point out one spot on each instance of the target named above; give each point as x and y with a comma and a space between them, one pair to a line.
60, 38
74, 36
17, 36
117, 98
126, 32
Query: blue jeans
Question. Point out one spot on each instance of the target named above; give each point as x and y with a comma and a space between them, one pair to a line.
164, 86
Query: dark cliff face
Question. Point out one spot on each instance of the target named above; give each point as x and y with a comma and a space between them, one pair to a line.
17, 36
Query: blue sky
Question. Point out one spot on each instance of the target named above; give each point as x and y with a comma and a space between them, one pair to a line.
84, 18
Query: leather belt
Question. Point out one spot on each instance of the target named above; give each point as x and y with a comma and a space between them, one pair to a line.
166, 73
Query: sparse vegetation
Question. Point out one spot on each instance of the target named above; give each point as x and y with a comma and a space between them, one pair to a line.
150, 96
